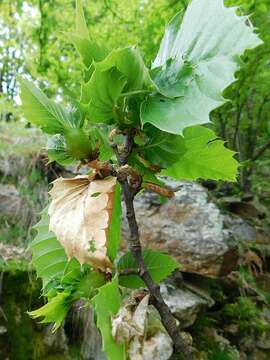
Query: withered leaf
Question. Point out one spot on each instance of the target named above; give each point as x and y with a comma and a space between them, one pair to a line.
130, 321
80, 214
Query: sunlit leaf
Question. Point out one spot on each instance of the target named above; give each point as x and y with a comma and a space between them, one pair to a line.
128, 62
101, 94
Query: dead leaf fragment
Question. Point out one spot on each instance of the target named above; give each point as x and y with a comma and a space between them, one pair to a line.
130, 323
80, 214
137, 325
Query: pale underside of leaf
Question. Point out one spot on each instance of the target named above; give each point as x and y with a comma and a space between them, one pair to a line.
210, 40
80, 214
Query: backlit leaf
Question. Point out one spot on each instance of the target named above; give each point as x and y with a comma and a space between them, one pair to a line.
81, 26
72, 272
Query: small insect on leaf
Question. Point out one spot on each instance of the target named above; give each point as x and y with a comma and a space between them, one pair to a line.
80, 215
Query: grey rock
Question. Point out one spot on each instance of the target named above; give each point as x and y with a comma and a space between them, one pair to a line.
3, 329
239, 228
264, 341
189, 227
55, 342
91, 343
157, 347
10, 200
184, 303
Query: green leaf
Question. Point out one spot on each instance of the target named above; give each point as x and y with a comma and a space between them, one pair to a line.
106, 304
57, 150
89, 283
101, 135
114, 232
171, 79
72, 272
205, 158
128, 62
159, 265
48, 255
122, 72
55, 310
101, 94
143, 168
87, 48
51, 117
161, 149
78, 143
81, 26
195, 64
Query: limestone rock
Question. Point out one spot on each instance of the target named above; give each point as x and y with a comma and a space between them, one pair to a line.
157, 347
184, 304
189, 227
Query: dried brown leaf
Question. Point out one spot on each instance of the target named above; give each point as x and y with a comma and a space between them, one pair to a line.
80, 214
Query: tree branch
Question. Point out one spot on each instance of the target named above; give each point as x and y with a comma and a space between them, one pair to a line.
261, 151
129, 191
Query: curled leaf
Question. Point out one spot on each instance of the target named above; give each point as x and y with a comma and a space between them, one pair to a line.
80, 215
